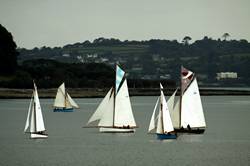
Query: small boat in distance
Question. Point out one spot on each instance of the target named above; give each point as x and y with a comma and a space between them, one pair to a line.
162, 123
63, 101
188, 113
34, 121
114, 114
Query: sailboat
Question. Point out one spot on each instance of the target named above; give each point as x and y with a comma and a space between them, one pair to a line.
34, 121
187, 114
114, 114
162, 123
63, 101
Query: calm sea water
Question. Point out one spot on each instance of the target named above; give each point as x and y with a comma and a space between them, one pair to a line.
225, 142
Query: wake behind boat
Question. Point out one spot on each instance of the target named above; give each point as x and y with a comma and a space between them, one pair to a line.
34, 121
114, 114
162, 123
63, 101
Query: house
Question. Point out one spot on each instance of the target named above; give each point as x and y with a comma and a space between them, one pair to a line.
226, 75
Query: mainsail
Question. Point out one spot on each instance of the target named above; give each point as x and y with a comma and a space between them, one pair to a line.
191, 110
123, 110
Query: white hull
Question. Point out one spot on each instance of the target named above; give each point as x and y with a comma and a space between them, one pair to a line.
116, 130
34, 136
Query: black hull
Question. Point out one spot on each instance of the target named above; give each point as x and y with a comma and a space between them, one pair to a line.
191, 131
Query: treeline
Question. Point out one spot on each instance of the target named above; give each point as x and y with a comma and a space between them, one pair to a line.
50, 74
158, 57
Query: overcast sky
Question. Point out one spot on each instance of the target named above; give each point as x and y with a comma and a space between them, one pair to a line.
37, 23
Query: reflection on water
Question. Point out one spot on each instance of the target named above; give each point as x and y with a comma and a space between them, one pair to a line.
191, 137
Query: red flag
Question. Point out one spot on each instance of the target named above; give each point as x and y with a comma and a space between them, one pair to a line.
186, 78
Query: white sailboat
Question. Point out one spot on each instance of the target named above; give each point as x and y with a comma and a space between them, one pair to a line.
188, 112
114, 114
63, 101
34, 121
162, 123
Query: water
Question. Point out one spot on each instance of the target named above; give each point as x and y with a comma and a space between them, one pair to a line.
225, 142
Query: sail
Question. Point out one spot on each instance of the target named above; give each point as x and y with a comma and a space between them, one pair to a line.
27, 124
107, 112
100, 109
67, 103
72, 102
38, 113
167, 122
173, 110
170, 102
152, 124
175, 115
33, 116
119, 75
159, 127
192, 111
123, 111
60, 97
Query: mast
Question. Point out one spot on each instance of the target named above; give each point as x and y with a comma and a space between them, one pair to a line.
35, 115
114, 96
162, 117
65, 98
180, 97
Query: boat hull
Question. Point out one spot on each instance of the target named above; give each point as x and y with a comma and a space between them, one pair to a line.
166, 136
63, 110
38, 136
191, 131
116, 130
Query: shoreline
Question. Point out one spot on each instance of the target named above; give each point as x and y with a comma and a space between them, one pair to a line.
6, 93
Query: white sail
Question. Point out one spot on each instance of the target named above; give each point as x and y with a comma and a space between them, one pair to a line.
107, 112
33, 116
174, 110
164, 124
38, 113
171, 101
100, 109
63, 99
123, 111
192, 111
152, 124
60, 96
167, 122
72, 102
27, 124
175, 115
159, 127
67, 103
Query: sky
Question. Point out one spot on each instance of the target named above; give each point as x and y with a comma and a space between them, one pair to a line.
55, 23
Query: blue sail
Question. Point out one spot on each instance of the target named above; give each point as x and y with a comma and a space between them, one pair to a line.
119, 75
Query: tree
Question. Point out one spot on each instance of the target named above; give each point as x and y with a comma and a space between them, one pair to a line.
186, 40
8, 53
225, 36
